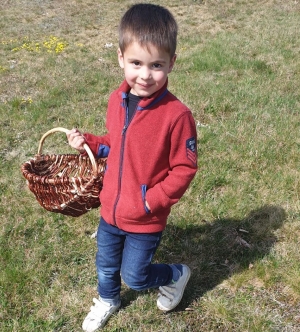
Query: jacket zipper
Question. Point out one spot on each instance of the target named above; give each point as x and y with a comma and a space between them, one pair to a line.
123, 133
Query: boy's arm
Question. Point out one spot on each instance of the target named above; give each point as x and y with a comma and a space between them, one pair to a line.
99, 145
183, 166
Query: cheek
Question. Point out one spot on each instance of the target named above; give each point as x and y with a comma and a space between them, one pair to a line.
129, 74
161, 77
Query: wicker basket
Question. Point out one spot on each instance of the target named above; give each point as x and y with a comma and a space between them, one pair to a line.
69, 183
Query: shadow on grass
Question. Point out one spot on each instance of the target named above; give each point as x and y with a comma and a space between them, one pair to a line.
216, 250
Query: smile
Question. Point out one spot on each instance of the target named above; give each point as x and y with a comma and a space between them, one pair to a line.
145, 86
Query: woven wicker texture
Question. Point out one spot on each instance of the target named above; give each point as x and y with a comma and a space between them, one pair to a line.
68, 183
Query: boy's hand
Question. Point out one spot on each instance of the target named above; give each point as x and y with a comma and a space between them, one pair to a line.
76, 140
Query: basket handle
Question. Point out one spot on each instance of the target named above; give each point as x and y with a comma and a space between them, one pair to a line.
85, 146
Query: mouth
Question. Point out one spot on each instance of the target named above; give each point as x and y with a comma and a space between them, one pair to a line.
144, 86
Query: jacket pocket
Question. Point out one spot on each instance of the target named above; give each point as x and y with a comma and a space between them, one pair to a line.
144, 190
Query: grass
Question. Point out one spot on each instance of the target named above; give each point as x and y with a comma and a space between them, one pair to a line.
237, 226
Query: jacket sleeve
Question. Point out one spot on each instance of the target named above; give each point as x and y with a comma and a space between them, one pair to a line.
99, 145
183, 165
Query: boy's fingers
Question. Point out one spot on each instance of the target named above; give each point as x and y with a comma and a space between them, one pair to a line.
70, 132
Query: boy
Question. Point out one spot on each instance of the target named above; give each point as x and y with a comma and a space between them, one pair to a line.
152, 158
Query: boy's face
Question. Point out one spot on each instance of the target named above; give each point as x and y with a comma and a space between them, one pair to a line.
146, 69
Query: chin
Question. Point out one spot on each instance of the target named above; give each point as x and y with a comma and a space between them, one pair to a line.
145, 94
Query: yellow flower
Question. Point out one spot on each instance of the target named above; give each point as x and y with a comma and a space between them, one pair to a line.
51, 45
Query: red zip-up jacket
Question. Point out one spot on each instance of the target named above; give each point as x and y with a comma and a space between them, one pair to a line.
152, 158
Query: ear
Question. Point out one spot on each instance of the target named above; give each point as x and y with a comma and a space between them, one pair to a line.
172, 62
120, 58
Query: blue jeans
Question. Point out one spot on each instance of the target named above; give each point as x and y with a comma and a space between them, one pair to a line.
130, 255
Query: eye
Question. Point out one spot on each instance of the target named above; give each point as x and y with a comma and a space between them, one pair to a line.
136, 63
156, 65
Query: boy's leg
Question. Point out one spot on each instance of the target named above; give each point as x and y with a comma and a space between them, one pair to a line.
108, 260
110, 242
138, 272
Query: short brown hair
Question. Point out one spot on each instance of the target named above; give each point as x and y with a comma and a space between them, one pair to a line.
148, 24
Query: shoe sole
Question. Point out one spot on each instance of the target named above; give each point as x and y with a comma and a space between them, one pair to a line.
161, 307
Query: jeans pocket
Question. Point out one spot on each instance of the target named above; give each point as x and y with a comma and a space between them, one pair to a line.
144, 190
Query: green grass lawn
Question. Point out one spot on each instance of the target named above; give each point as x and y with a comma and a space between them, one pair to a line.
237, 226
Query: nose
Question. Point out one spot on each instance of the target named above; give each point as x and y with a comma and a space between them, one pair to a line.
145, 73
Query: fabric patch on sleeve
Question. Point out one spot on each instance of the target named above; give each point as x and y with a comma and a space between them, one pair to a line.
191, 150
103, 151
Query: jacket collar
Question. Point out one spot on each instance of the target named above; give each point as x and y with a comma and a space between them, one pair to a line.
145, 103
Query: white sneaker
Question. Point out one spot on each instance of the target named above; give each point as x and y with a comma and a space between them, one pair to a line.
169, 296
99, 314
